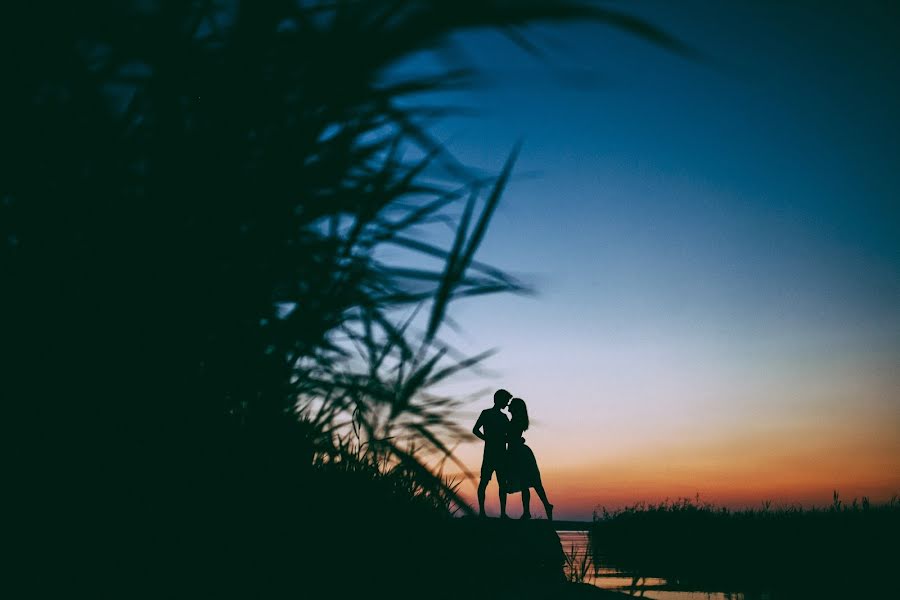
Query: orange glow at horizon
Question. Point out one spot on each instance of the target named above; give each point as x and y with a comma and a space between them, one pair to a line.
789, 467
647, 414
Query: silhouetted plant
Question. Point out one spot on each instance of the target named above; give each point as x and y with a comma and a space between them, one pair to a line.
193, 200
820, 552
578, 563
193, 193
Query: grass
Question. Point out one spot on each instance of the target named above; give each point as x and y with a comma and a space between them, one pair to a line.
696, 545
579, 563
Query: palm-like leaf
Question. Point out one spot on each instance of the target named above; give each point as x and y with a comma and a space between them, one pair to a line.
202, 188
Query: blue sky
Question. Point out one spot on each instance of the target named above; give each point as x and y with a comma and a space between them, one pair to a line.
715, 243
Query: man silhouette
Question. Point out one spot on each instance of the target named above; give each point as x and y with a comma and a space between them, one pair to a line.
494, 423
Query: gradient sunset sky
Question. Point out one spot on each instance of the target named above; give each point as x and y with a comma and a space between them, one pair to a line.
716, 249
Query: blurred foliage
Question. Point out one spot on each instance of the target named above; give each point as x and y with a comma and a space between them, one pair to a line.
194, 200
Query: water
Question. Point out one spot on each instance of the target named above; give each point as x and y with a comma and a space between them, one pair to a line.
575, 545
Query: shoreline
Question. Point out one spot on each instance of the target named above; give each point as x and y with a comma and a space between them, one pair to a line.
557, 525
572, 525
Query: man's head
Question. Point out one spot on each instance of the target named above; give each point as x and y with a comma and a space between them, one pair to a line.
501, 398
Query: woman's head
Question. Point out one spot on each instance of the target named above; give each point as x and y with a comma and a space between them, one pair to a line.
519, 412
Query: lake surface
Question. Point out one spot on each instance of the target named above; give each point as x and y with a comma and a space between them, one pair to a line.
575, 545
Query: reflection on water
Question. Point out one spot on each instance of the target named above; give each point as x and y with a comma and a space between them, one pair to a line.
575, 544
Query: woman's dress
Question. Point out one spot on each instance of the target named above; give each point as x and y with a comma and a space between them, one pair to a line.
521, 466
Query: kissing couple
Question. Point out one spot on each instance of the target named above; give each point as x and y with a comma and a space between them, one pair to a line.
506, 454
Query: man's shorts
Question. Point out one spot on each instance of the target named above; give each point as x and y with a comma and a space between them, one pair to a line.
493, 461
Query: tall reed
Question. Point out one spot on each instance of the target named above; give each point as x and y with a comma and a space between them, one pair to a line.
834, 550
199, 314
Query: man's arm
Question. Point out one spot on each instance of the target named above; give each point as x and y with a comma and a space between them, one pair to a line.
477, 429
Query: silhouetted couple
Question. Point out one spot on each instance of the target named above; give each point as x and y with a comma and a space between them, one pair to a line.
506, 454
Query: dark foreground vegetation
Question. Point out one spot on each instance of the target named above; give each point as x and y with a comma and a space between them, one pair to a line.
215, 383
840, 551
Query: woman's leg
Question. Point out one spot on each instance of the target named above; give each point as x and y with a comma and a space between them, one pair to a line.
526, 503
548, 508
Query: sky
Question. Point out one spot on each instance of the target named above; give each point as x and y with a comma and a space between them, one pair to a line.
715, 245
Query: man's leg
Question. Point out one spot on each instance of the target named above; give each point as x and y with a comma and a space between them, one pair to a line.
502, 486
482, 487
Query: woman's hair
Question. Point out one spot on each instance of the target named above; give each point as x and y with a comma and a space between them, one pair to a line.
519, 413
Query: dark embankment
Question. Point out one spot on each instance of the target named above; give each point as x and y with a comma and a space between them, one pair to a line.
841, 551
323, 532
507, 559
519, 557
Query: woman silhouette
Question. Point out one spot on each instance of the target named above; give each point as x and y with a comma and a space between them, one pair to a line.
521, 467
